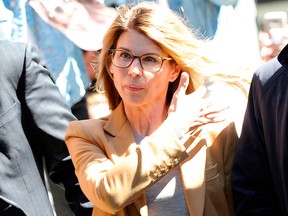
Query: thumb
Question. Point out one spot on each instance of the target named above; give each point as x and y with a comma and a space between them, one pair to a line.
183, 83
181, 91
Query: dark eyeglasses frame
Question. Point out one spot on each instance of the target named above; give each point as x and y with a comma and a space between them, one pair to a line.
112, 51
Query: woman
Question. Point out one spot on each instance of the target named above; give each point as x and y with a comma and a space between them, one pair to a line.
165, 149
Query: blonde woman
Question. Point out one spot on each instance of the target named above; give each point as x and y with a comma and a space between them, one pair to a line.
168, 145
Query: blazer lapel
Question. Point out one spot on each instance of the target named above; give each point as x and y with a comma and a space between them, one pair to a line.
121, 135
123, 141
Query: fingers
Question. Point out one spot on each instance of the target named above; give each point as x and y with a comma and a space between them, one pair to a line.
207, 118
210, 107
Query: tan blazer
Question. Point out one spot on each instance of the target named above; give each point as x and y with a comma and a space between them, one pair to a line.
114, 172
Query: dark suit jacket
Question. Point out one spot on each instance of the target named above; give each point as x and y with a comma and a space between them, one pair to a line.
260, 173
33, 120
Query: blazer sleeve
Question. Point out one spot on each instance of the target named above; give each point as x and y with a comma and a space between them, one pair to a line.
46, 118
111, 181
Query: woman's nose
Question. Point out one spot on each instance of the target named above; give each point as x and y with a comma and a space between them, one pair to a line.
135, 68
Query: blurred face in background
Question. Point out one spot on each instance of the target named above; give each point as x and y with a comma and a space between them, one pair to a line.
91, 61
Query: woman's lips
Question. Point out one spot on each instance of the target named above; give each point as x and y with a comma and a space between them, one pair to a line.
134, 87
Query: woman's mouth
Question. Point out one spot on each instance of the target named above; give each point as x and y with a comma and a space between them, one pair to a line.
133, 87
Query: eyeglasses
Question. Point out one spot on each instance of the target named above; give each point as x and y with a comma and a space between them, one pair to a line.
150, 62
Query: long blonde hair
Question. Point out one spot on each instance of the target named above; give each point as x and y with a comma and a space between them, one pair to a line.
168, 30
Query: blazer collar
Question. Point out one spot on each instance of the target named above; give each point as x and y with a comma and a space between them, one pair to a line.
117, 121
121, 134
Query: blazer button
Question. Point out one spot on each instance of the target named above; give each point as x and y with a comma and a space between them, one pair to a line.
162, 170
168, 165
175, 161
155, 175
159, 173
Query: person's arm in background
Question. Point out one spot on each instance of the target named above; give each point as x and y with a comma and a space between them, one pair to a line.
50, 116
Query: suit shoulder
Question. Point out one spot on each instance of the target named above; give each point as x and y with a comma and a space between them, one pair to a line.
86, 125
272, 70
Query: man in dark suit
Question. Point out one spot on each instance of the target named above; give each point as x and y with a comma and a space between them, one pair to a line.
33, 121
260, 172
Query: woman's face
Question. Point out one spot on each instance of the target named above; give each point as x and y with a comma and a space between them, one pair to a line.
136, 86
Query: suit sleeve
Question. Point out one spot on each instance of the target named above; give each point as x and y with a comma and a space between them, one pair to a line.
46, 119
251, 175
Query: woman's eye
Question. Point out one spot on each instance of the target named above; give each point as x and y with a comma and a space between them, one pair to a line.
149, 59
125, 55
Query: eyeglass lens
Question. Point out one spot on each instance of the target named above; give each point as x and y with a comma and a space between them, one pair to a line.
149, 62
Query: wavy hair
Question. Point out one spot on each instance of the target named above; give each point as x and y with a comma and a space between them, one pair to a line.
169, 31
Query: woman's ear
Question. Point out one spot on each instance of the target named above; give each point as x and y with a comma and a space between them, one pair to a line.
175, 73
111, 69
